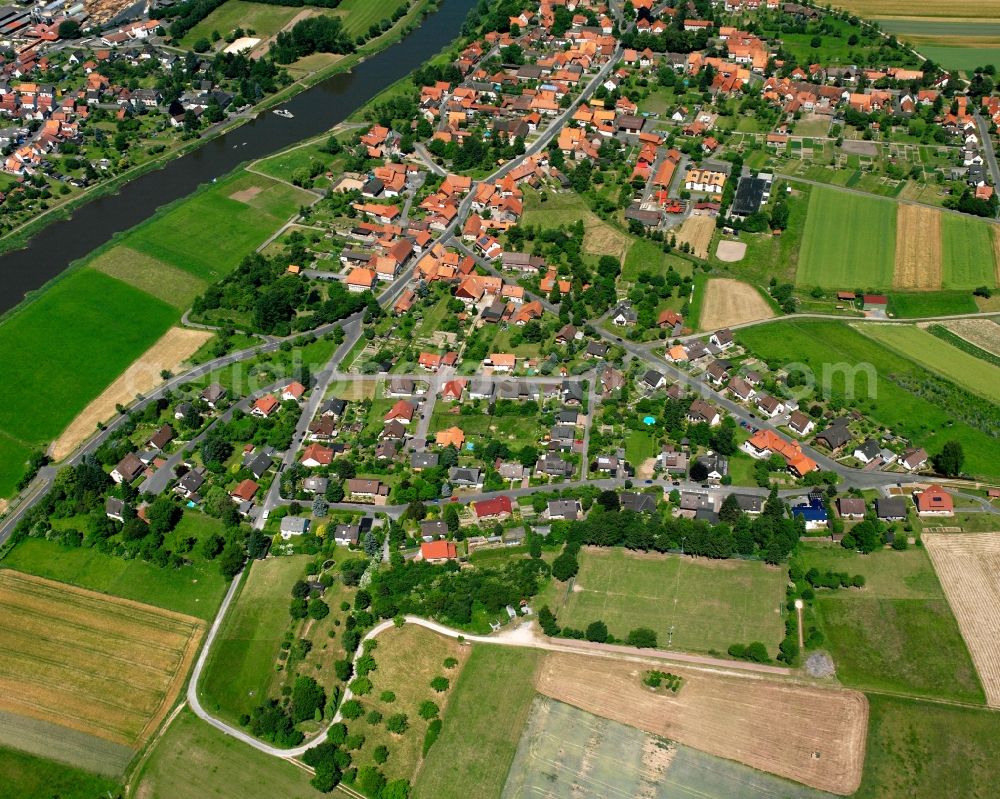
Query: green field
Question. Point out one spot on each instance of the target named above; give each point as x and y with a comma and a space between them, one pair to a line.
567, 752
836, 349
923, 750
240, 668
710, 604
966, 253
195, 590
486, 714
938, 356
187, 235
849, 241
165, 282
359, 15
53, 742
193, 761
648, 256
265, 20
283, 165
964, 58
898, 633
28, 777
639, 445
917, 304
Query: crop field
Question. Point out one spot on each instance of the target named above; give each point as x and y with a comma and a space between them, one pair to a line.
107, 667
961, 56
849, 241
967, 253
194, 760
28, 777
896, 634
710, 604
697, 232
567, 752
165, 282
242, 210
194, 590
891, 395
917, 305
931, 352
920, 9
567, 208
731, 302
918, 248
982, 333
240, 668
54, 742
969, 568
486, 715
924, 750
810, 735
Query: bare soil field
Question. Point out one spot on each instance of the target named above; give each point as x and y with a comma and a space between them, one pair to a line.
855, 147
918, 248
810, 735
968, 565
984, 333
697, 231
176, 346
731, 302
731, 251
96, 664
247, 194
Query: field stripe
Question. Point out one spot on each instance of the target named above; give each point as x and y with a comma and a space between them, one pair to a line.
918, 248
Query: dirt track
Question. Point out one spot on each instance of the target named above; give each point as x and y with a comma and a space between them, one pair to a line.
811, 735
175, 347
968, 566
918, 248
731, 302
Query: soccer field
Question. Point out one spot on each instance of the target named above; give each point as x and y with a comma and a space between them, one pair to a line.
709, 604
849, 241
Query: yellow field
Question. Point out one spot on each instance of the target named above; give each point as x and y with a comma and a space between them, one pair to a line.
697, 231
731, 302
918, 248
105, 666
918, 9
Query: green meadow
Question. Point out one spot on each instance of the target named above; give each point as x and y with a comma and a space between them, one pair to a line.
918, 304
966, 253
849, 241
28, 777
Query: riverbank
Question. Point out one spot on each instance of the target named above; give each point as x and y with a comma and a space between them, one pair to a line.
20, 236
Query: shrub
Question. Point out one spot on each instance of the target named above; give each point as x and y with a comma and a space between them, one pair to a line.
433, 731
354, 742
642, 637
373, 717
387, 696
597, 631
381, 754
450, 663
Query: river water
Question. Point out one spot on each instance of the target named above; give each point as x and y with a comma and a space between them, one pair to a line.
316, 110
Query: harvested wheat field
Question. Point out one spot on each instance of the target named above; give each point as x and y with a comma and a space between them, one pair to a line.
968, 565
105, 666
984, 333
177, 345
697, 231
731, 302
918, 248
810, 735
602, 239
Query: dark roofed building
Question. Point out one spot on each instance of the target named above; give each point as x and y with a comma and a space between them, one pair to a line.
749, 196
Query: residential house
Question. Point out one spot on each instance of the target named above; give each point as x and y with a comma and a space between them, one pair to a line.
934, 501
702, 412
564, 509
800, 424
495, 508
851, 508
293, 525
128, 469
890, 509
438, 551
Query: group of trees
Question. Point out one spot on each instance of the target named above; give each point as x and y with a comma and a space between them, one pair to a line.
312, 35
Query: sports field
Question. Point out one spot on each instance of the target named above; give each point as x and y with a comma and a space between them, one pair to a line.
926, 349
194, 590
811, 735
898, 633
967, 253
566, 751
242, 210
240, 668
969, 568
892, 393
849, 241
489, 706
194, 760
709, 603
106, 667
28, 777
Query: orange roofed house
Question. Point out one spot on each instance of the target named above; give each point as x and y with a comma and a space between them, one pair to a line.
764, 443
934, 501
438, 551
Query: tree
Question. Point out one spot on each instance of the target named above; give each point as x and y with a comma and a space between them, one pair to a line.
597, 631
949, 460
307, 697
397, 723
440, 684
429, 710
565, 566
231, 560
69, 29
642, 637
451, 518
318, 609
609, 500
352, 709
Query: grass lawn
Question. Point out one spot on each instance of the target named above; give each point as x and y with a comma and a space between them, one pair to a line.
639, 445
195, 590
849, 241
359, 15
710, 604
265, 20
648, 256
283, 165
28, 777
938, 356
480, 429
194, 760
834, 349
240, 669
187, 235
63, 349
914, 305
13, 461
741, 469
482, 726
966, 253
921, 750
896, 634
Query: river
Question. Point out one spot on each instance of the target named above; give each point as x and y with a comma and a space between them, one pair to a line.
316, 110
